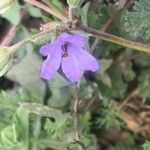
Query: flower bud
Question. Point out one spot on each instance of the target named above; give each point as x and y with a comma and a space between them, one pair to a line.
75, 3
5, 5
5, 60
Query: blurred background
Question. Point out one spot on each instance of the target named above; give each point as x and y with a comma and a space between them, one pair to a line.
114, 106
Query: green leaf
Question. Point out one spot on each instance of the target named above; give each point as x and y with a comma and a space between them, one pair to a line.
34, 12
26, 73
110, 116
22, 126
119, 87
144, 83
46, 143
21, 34
42, 110
84, 13
57, 3
9, 135
5, 5
58, 81
127, 70
136, 23
6, 102
13, 13
143, 61
61, 92
86, 90
102, 75
146, 145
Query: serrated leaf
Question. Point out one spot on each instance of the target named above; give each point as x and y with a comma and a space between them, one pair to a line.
22, 126
9, 136
136, 23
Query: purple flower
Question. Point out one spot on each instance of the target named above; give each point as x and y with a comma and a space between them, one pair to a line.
67, 51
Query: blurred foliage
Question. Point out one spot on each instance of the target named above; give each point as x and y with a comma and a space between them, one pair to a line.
136, 23
146, 145
35, 114
110, 117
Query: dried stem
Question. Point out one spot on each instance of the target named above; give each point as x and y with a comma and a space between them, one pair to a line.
47, 9
75, 113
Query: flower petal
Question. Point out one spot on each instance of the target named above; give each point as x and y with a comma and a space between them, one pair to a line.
71, 69
51, 65
46, 49
73, 38
77, 40
85, 60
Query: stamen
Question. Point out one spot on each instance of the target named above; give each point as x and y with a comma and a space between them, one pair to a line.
64, 50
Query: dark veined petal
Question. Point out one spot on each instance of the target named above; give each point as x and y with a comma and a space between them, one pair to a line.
73, 38
71, 69
51, 65
85, 60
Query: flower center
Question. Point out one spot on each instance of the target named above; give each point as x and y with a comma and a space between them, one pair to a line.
64, 50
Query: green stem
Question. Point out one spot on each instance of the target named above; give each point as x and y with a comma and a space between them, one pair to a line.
117, 40
34, 39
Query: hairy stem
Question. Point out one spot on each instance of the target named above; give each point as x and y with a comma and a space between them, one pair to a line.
115, 39
47, 9
34, 39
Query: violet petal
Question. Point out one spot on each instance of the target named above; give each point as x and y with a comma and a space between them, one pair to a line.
73, 38
85, 60
51, 65
70, 68
46, 49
